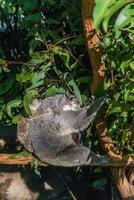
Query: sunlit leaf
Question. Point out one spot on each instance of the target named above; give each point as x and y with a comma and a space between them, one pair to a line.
51, 91
125, 17
100, 10
37, 80
111, 11
104, 10
28, 100
16, 119
2, 61
23, 77
76, 90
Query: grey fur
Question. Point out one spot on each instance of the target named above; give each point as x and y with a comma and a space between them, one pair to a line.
54, 130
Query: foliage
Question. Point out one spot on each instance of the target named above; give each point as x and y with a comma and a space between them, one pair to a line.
41, 53
116, 25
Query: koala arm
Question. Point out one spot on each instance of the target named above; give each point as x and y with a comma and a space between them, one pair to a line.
87, 114
75, 156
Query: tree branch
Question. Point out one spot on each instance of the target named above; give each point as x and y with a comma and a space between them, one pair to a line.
10, 159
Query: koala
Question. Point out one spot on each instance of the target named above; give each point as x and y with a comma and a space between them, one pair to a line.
54, 130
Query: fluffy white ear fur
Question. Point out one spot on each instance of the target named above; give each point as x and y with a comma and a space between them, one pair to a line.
35, 105
73, 107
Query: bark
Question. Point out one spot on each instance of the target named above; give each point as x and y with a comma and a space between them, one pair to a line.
9, 159
92, 38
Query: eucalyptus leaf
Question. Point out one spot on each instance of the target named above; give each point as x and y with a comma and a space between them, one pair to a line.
111, 11
29, 5
6, 85
24, 77
125, 17
100, 10
12, 104
37, 80
76, 90
100, 183
28, 100
51, 91
16, 119
2, 61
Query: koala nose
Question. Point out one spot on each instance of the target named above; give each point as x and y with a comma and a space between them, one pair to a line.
73, 100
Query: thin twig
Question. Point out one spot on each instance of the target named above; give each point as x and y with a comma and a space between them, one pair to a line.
66, 186
64, 39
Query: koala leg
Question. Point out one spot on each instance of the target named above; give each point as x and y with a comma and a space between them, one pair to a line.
73, 156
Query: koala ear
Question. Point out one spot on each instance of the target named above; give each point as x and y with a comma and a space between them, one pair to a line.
35, 104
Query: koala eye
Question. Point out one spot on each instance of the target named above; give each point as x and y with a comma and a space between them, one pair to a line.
73, 100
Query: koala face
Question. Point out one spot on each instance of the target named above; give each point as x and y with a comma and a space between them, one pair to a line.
60, 102
71, 104
66, 102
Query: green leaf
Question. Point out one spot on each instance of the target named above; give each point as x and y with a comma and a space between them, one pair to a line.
61, 90
33, 18
2, 62
52, 21
6, 85
39, 55
64, 55
118, 123
29, 5
12, 104
100, 91
132, 65
124, 65
128, 96
79, 40
28, 100
23, 77
97, 170
35, 164
111, 11
20, 154
51, 91
104, 10
100, 11
115, 110
85, 79
37, 80
125, 17
114, 107
76, 90
125, 136
100, 183
1, 101
16, 119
